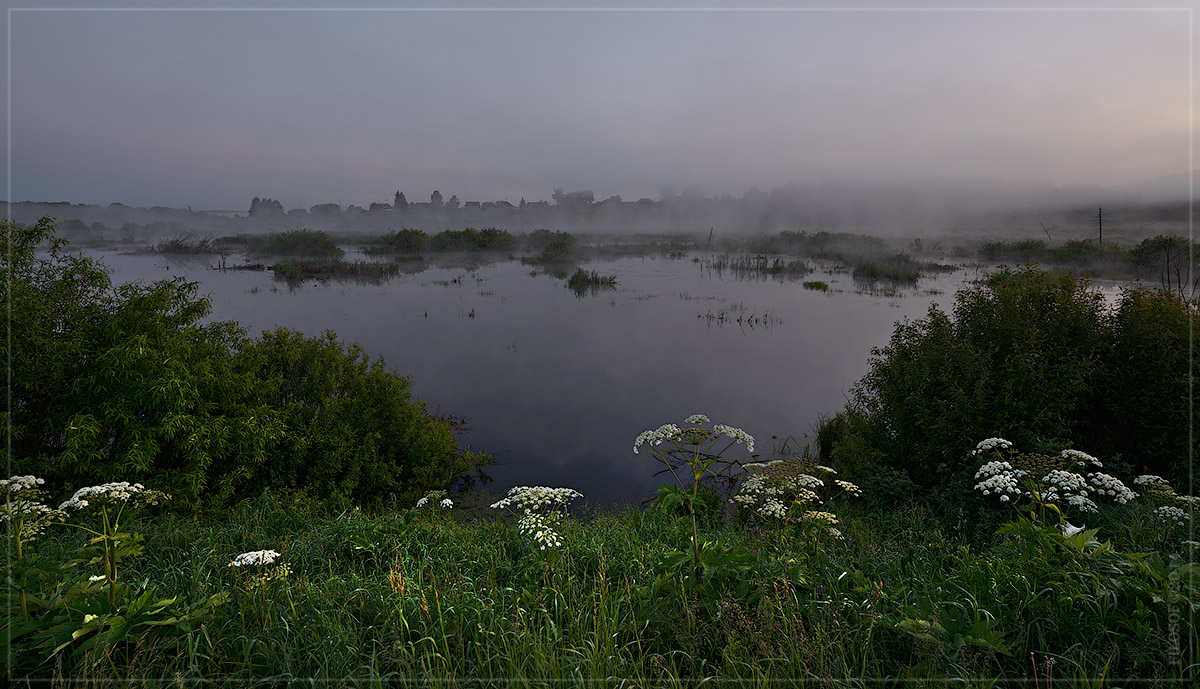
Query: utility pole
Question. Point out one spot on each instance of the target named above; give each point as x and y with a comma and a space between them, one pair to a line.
1100, 223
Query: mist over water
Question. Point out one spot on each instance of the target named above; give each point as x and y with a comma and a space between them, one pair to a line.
558, 386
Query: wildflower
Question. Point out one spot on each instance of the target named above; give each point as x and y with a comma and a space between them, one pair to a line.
849, 487
696, 418
1172, 515
1148, 479
1069, 530
447, 503
422, 501
1112, 487
132, 494
772, 507
990, 444
1081, 459
667, 431
826, 518
256, 557
542, 510
22, 507
17, 484
435, 495
737, 434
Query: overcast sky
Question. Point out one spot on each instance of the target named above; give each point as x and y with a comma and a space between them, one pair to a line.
210, 108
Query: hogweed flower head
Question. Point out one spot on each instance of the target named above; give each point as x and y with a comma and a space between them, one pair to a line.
989, 445
437, 497
541, 510
255, 558
23, 509
1080, 459
696, 419
1172, 516
132, 494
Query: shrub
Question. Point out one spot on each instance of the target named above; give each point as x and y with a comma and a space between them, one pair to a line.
353, 433
1029, 355
128, 381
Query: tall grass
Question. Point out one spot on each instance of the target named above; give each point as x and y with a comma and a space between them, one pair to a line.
446, 598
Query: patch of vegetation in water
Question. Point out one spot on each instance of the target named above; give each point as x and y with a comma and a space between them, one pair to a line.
899, 268
470, 239
294, 270
307, 243
405, 241
187, 243
583, 282
817, 285
552, 247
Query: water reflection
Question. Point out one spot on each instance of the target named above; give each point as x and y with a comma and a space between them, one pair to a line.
558, 387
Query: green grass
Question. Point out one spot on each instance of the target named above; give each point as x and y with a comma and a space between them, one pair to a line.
583, 281
294, 270
306, 243
444, 597
898, 268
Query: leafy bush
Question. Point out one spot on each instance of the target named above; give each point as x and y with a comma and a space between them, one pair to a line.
1028, 355
128, 381
353, 433
553, 247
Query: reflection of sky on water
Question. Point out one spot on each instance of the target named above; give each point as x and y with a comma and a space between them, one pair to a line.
558, 387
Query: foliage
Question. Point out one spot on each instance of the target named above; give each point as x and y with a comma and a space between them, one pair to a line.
296, 270
470, 239
352, 431
1028, 355
896, 268
308, 243
457, 600
130, 380
553, 247
65, 616
581, 282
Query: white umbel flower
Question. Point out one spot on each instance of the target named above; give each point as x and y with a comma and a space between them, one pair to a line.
255, 557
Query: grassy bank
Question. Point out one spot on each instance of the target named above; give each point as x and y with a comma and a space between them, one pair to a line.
444, 597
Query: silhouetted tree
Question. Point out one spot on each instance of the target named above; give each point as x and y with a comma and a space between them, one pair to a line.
400, 203
453, 203
574, 200
435, 199
265, 207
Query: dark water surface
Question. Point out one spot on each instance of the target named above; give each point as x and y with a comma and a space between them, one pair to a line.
559, 386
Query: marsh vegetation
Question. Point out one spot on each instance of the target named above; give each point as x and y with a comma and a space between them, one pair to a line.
979, 507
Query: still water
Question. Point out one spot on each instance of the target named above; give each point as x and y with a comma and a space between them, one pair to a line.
557, 386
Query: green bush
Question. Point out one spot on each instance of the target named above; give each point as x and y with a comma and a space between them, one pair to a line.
354, 434
1028, 356
127, 383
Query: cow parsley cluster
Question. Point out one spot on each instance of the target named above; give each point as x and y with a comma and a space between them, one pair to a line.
432, 497
1172, 516
542, 510
989, 445
255, 558
131, 494
1080, 459
1047, 479
23, 510
784, 489
670, 432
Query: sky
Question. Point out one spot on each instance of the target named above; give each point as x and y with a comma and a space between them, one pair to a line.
208, 108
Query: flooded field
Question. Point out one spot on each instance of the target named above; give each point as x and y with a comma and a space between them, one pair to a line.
557, 383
